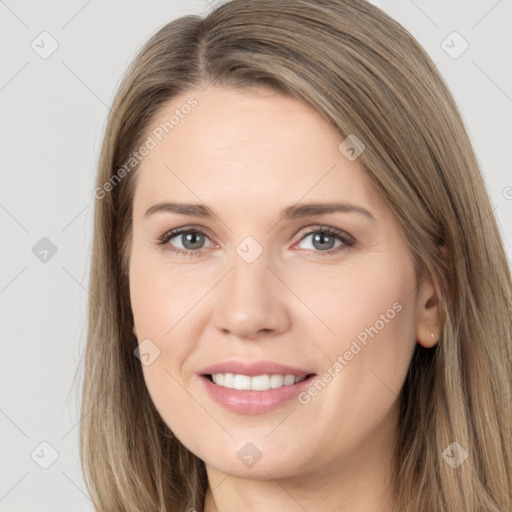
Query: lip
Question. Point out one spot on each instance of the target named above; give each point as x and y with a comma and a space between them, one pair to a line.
253, 402
253, 369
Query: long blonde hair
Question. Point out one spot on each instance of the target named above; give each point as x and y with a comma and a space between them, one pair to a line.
366, 75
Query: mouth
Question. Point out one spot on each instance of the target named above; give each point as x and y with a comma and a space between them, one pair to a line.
254, 387
254, 394
265, 382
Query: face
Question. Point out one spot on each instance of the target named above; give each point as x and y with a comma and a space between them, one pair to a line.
331, 295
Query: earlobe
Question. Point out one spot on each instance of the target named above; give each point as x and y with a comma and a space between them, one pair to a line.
429, 341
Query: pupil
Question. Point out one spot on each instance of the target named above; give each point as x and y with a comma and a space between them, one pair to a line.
318, 237
192, 237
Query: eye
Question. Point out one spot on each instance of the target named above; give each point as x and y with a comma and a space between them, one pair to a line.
324, 238
191, 240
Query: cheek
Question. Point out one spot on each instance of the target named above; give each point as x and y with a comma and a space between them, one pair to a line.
369, 299
162, 313
160, 298
372, 315
162, 307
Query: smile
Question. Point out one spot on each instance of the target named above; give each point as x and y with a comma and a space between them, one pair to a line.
256, 383
243, 394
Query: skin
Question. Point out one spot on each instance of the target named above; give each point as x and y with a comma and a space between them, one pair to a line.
248, 155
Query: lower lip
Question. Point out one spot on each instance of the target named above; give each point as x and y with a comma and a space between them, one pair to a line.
253, 402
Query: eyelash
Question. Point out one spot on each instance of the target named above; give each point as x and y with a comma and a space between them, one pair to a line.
347, 240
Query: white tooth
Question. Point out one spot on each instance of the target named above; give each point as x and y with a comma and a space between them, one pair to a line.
289, 380
228, 380
242, 382
257, 383
261, 383
276, 381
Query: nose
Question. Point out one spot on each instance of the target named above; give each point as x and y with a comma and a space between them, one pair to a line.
251, 300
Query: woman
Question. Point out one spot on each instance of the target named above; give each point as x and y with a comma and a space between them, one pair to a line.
301, 298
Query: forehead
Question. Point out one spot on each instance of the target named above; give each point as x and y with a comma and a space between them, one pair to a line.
250, 148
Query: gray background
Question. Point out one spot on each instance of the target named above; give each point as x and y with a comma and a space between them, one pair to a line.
53, 113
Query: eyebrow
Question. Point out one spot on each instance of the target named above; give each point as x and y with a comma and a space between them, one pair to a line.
297, 211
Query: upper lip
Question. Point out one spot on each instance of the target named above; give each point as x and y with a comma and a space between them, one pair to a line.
254, 368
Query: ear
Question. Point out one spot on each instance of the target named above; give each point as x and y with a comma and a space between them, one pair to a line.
428, 318
428, 309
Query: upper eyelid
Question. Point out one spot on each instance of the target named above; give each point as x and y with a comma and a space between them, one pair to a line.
171, 233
